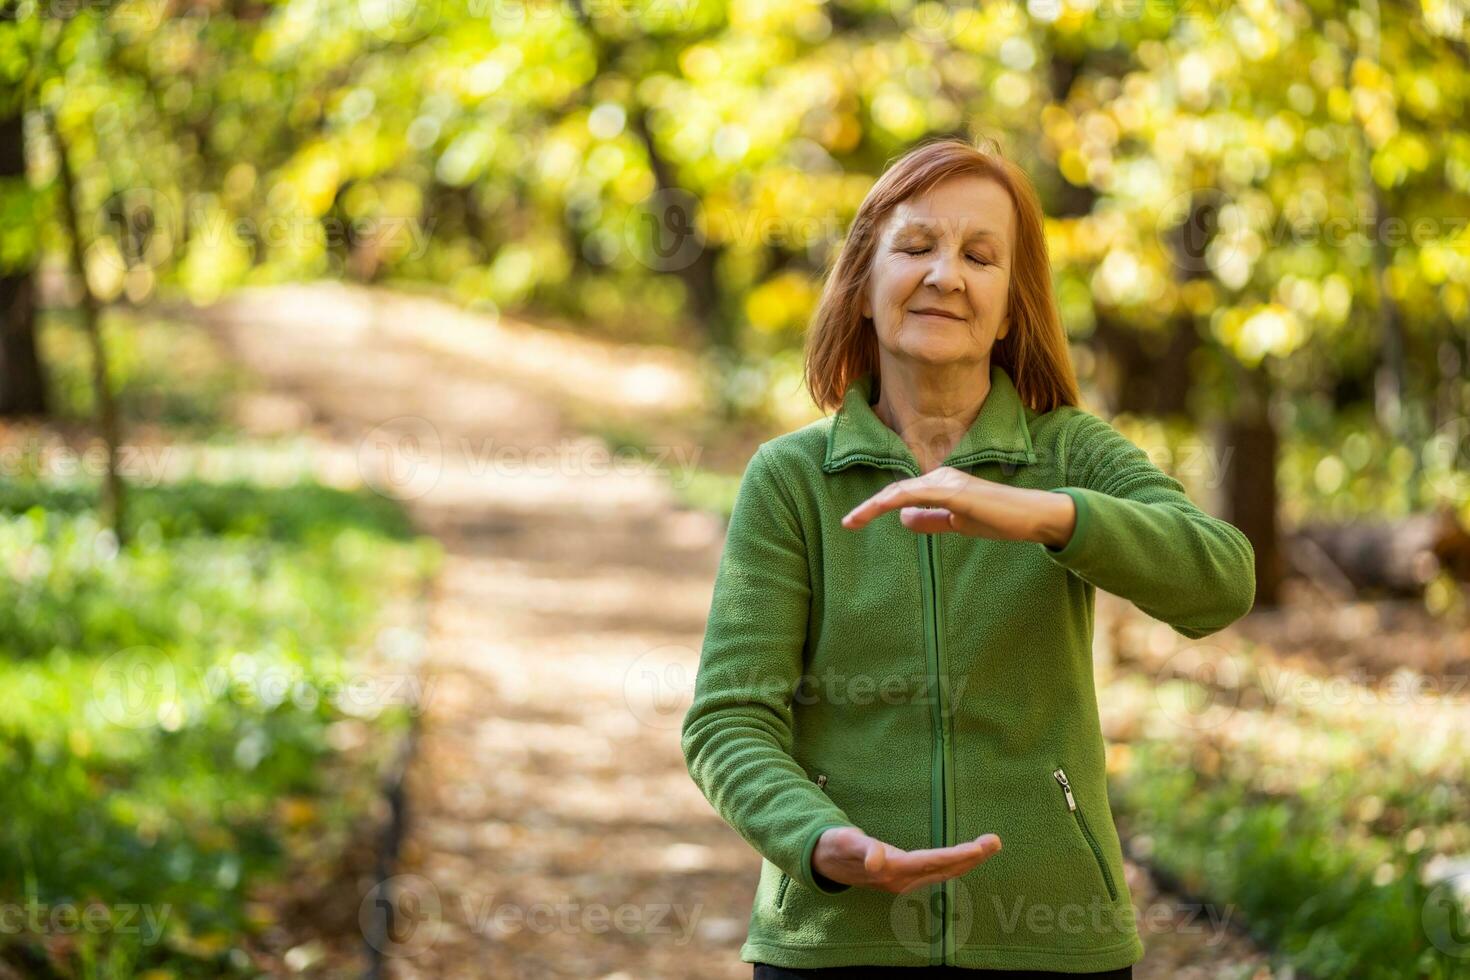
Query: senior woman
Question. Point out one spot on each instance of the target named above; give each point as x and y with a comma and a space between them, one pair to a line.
895, 703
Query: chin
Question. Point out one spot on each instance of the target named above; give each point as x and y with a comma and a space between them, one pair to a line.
938, 351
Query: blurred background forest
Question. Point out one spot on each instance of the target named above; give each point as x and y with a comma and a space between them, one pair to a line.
244, 239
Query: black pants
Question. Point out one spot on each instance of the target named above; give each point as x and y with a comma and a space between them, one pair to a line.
764, 971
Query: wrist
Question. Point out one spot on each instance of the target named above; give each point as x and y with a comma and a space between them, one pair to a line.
1055, 519
821, 882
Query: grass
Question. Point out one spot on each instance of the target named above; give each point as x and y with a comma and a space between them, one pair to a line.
194, 724
1325, 821
164, 372
167, 709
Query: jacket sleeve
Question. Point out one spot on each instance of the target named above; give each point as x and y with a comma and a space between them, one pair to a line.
737, 733
1138, 535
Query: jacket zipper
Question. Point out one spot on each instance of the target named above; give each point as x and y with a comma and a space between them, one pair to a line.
1102, 865
941, 787
786, 878
941, 790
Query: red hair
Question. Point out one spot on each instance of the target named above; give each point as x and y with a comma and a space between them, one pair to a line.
842, 344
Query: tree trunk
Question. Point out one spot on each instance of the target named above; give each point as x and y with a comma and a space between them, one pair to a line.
1250, 478
694, 262
22, 378
1147, 374
114, 508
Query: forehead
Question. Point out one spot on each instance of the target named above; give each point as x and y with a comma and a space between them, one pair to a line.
961, 207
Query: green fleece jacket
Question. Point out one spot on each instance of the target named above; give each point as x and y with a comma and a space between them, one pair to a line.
931, 688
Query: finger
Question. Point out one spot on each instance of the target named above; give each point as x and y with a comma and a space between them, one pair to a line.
923, 882
940, 860
914, 492
935, 878
944, 855
980, 851
927, 520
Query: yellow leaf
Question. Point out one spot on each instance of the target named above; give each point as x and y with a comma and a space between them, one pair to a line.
297, 812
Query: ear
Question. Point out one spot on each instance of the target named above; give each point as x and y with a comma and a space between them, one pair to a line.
1005, 327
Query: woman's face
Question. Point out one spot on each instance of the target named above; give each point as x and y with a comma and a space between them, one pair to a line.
947, 251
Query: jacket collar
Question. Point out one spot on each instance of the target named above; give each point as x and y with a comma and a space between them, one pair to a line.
999, 432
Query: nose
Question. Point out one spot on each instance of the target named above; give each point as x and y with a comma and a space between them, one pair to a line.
944, 272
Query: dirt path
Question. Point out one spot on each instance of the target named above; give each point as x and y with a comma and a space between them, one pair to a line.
552, 830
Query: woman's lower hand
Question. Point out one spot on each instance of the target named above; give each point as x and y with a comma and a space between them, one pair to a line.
848, 856
949, 499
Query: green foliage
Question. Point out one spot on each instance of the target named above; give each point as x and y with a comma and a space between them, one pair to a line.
1309, 811
529, 158
516, 157
1333, 466
304, 513
167, 710
163, 371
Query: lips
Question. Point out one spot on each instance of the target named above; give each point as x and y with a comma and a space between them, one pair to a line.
931, 311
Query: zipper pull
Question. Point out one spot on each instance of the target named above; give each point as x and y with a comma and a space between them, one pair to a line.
1066, 788
822, 781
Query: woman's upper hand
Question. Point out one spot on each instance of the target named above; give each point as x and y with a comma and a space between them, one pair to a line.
848, 856
949, 499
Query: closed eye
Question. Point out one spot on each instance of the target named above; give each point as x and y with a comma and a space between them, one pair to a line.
978, 260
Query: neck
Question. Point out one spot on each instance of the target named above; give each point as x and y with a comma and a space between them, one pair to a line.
930, 406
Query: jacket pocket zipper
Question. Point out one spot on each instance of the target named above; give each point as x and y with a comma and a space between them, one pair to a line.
1102, 865
786, 878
